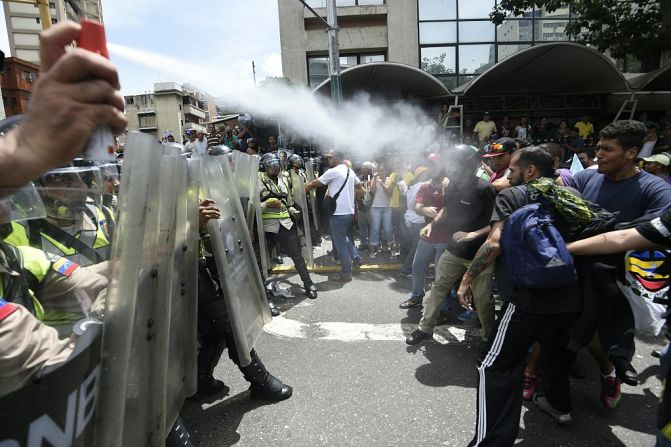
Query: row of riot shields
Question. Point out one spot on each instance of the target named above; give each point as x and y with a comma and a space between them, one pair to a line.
150, 324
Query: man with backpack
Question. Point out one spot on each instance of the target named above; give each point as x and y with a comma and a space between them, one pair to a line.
530, 314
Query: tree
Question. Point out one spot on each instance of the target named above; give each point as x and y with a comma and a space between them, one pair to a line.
436, 65
622, 27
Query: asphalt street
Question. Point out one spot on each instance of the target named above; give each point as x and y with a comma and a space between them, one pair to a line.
356, 382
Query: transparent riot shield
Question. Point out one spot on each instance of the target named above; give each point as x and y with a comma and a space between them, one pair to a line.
300, 198
311, 175
140, 393
238, 273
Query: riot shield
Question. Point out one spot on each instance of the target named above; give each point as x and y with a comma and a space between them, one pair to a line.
140, 393
64, 396
311, 175
238, 273
300, 198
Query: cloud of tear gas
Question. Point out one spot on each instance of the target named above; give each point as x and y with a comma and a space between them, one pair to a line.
361, 126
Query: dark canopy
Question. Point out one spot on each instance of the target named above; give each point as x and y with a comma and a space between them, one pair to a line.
387, 79
657, 80
553, 68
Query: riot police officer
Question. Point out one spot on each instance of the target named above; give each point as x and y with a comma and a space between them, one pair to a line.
278, 211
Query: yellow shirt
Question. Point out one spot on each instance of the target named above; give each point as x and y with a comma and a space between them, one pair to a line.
395, 199
584, 129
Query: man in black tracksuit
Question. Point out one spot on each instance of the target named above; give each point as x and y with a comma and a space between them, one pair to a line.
529, 316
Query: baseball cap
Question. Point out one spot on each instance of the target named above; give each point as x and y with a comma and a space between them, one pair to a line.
333, 153
658, 158
501, 146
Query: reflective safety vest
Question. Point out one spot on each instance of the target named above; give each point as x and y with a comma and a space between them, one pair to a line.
278, 191
86, 247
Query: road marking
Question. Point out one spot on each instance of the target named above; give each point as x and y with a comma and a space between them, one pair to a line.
352, 332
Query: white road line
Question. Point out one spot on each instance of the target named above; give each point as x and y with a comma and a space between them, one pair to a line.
351, 332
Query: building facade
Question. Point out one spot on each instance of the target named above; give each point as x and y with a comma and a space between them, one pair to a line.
169, 108
18, 78
452, 39
24, 23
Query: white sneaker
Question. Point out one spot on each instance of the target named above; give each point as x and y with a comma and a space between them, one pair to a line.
542, 402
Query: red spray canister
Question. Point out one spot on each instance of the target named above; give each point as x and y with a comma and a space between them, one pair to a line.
101, 144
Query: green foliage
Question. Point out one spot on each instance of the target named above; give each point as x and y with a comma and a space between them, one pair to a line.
436, 65
624, 27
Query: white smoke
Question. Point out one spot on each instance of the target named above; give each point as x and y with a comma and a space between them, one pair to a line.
360, 127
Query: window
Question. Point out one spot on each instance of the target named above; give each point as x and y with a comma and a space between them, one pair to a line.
37, 20
318, 66
130, 101
52, 5
458, 41
437, 9
475, 9
322, 3
476, 58
478, 31
438, 60
54, 21
438, 32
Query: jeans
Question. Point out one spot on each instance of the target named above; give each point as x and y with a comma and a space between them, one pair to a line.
362, 220
380, 218
413, 237
426, 252
342, 242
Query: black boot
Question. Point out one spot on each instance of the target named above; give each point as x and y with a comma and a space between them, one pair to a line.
208, 358
264, 385
311, 291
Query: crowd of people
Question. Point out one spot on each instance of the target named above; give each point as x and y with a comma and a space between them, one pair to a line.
498, 221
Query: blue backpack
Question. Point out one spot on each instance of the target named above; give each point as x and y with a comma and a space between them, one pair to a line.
533, 250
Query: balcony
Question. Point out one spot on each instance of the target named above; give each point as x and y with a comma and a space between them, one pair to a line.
191, 110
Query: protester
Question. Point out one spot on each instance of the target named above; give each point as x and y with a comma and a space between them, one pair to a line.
529, 315
586, 157
500, 153
524, 130
380, 211
658, 165
414, 222
200, 144
619, 187
468, 208
363, 203
485, 128
585, 127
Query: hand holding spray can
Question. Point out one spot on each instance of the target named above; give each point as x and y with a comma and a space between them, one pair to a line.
101, 145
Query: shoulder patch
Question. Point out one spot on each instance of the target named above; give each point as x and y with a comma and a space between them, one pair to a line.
63, 266
6, 309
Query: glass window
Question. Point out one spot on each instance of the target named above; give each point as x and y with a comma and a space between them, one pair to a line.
437, 9
438, 60
514, 31
465, 79
551, 29
437, 32
509, 50
367, 58
371, 2
346, 3
348, 61
475, 9
318, 70
317, 3
559, 13
481, 31
476, 58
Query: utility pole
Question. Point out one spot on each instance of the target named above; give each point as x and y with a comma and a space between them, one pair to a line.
254, 72
331, 23
334, 52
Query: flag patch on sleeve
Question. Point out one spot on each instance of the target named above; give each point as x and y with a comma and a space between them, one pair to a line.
6, 309
64, 266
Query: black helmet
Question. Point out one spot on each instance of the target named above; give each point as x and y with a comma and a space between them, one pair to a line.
296, 161
462, 159
270, 164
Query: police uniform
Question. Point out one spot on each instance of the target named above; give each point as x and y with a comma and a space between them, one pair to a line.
86, 243
278, 226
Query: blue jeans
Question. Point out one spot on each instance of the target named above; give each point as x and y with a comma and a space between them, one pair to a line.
362, 220
426, 252
380, 218
342, 242
413, 238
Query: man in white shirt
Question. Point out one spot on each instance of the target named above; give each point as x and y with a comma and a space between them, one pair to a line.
342, 183
200, 145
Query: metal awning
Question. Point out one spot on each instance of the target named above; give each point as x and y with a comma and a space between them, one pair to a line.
387, 79
656, 81
552, 68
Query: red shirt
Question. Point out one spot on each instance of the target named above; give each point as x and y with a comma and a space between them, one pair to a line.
430, 195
